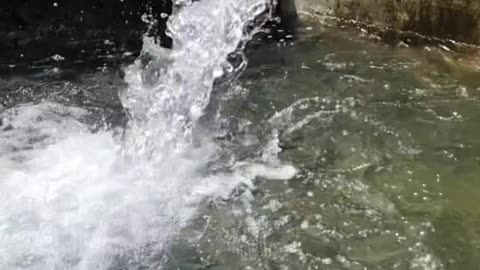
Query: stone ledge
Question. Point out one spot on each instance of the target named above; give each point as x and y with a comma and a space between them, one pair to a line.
458, 20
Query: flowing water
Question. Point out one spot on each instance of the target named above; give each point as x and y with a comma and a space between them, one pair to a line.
330, 151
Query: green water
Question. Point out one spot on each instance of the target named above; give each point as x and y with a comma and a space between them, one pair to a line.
385, 139
387, 144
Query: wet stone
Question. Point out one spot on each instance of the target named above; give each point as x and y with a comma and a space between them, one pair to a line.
447, 19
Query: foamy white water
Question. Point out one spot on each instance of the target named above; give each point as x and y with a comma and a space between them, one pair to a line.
170, 88
73, 199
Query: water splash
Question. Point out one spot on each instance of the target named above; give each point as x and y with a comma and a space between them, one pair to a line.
168, 89
73, 199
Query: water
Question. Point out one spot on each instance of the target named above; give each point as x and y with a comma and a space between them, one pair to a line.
384, 141
182, 172
79, 195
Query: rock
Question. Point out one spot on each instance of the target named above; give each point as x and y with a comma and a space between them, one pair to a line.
25, 20
287, 11
447, 19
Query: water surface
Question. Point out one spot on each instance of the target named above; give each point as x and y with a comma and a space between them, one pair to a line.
383, 138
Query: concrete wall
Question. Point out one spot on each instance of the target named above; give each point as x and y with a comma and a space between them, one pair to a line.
450, 19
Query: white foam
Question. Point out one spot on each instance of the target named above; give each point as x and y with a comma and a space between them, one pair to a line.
77, 203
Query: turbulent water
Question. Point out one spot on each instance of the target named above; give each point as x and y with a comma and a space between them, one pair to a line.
184, 162
80, 196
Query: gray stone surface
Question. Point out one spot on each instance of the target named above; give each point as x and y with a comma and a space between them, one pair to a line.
450, 19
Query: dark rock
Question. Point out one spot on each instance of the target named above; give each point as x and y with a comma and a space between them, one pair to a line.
32, 24
287, 11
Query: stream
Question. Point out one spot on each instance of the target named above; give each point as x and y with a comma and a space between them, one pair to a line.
324, 150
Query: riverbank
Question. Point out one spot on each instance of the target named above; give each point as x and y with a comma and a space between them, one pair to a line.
457, 20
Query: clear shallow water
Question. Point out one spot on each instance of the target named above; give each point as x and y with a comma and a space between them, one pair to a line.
384, 140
